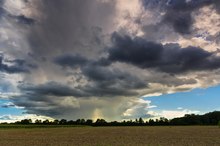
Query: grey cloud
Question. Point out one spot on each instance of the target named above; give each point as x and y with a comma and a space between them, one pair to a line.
178, 13
51, 99
23, 19
2, 10
170, 58
45, 106
50, 88
56, 100
71, 60
170, 80
71, 27
74, 61
19, 66
8, 105
112, 82
180, 21
112, 87
103, 79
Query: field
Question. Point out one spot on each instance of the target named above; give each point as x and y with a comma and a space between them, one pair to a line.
111, 136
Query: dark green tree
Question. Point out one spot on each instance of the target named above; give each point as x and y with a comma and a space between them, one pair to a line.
151, 122
100, 122
141, 121
38, 121
63, 122
56, 122
89, 122
26, 121
46, 122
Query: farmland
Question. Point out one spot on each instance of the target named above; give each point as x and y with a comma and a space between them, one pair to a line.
105, 136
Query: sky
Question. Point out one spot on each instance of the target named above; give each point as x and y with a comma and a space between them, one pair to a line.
111, 59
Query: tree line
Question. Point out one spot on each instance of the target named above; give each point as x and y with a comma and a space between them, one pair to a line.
212, 118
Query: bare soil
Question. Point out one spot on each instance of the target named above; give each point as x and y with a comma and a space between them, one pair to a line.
112, 136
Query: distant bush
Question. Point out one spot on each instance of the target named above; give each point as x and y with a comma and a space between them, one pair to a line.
219, 124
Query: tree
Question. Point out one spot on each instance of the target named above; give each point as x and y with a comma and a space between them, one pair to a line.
219, 124
78, 121
151, 122
26, 121
82, 121
141, 121
56, 122
46, 122
100, 122
63, 122
38, 121
89, 122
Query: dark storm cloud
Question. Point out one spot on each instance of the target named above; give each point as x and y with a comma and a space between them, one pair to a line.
71, 61
111, 82
50, 88
2, 10
178, 13
180, 21
23, 19
47, 98
104, 81
18, 66
170, 58
39, 105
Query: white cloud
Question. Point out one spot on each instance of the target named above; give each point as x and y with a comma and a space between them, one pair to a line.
14, 118
207, 20
152, 95
169, 114
10, 104
127, 15
16, 7
138, 108
179, 108
206, 26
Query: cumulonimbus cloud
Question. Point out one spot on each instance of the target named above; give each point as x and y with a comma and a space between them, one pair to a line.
79, 59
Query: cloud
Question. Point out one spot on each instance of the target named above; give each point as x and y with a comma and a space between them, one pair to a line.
50, 88
102, 80
179, 14
85, 59
138, 108
9, 10
14, 118
170, 58
18, 66
73, 27
72, 61
170, 114
11, 105
23, 19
